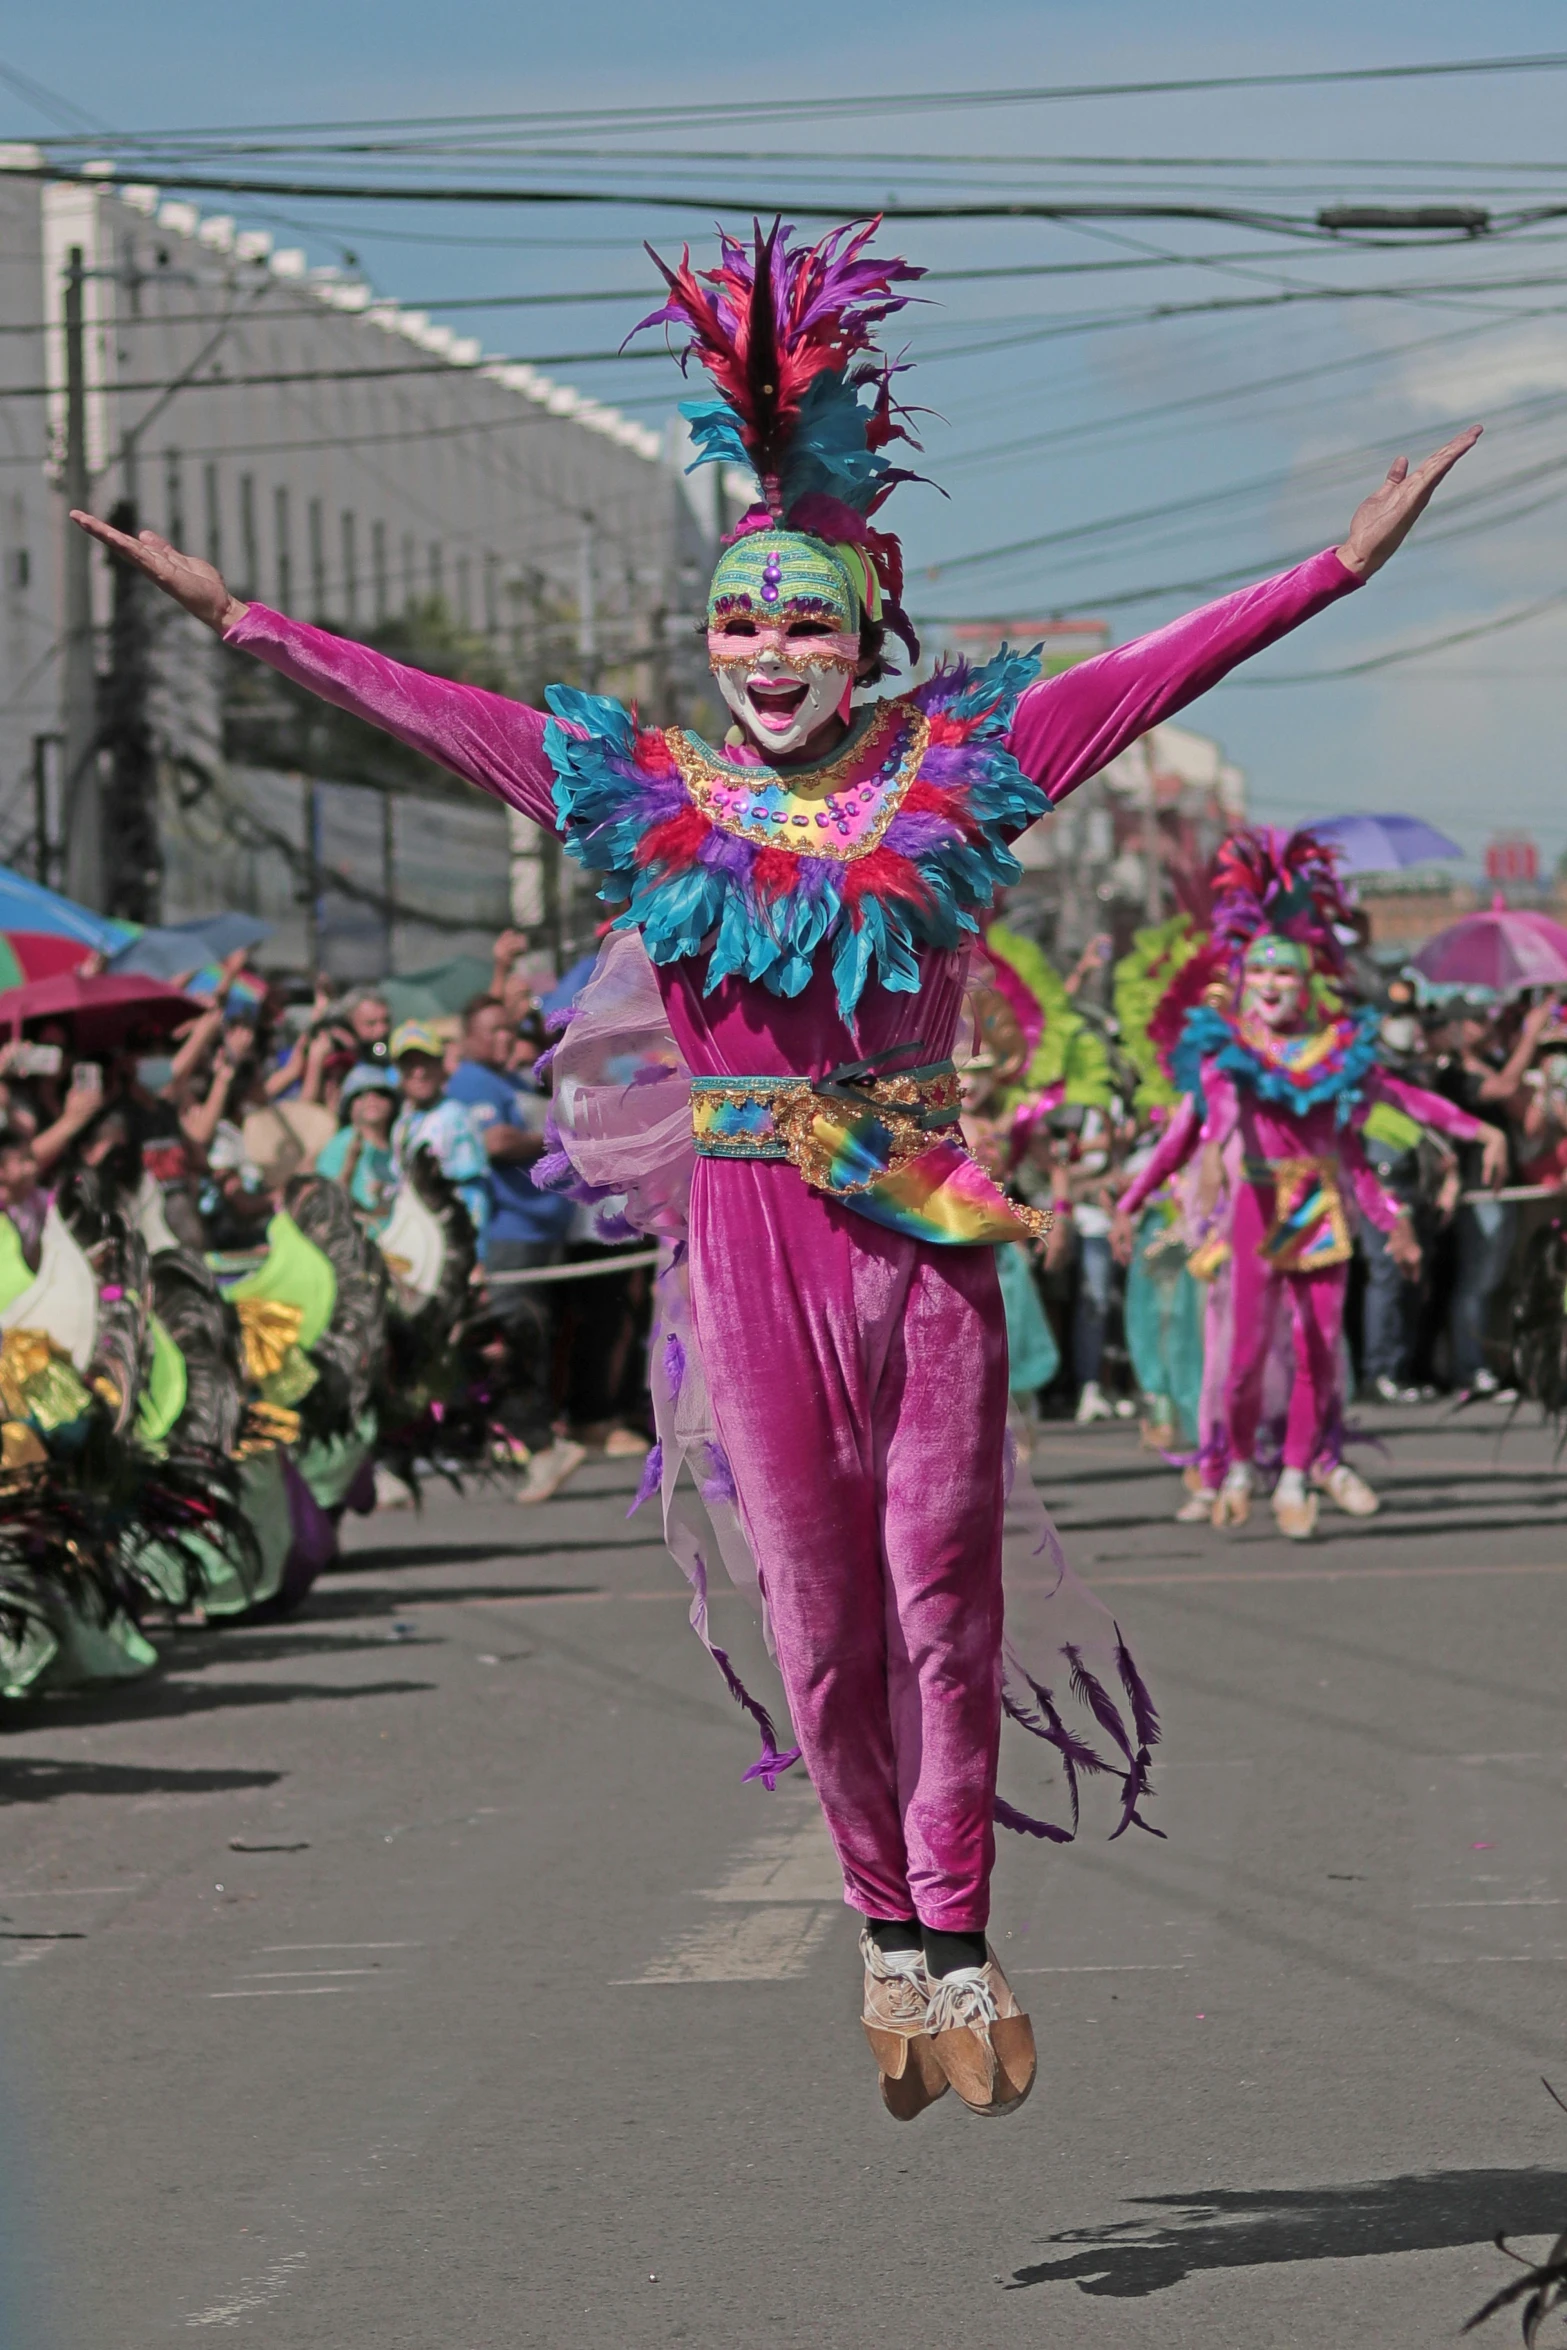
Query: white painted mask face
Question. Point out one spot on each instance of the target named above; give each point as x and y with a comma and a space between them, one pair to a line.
782, 678
1276, 996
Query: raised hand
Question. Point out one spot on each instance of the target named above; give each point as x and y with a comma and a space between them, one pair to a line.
1383, 521
190, 581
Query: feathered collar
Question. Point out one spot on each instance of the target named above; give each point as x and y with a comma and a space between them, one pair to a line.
897, 843
1291, 1073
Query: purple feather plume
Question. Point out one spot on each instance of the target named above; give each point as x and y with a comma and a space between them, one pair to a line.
652, 1477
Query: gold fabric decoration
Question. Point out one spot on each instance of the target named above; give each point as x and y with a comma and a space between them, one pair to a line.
808, 790
268, 1328
20, 1448
37, 1383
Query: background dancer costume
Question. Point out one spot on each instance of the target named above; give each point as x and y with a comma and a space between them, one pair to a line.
1285, 1109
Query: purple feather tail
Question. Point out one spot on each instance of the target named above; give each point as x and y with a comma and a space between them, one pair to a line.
652, 1477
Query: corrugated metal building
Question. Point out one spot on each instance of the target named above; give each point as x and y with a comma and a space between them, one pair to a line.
347, 461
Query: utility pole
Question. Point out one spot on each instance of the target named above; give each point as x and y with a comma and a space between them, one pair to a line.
82, 811
43, 830
129, 819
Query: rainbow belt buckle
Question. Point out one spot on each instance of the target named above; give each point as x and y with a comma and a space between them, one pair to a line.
1310, 1230
882, 1146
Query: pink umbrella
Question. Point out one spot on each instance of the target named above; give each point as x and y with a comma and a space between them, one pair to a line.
102, 1009
1506, 948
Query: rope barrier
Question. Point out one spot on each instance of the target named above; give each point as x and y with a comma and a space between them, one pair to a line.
529, 1274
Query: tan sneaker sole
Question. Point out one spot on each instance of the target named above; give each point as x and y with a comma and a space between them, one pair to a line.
910, 2078
991, 2066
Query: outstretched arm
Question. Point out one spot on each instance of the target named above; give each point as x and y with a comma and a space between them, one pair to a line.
1174, 1147
1069, 727
486, 739
1443, 1117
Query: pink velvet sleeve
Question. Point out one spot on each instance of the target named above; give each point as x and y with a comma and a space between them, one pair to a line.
483, 737
1070, 726
1428, 1109
1174, 1147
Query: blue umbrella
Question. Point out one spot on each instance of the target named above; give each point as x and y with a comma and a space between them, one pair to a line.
168, 952
27, 905
1384, 844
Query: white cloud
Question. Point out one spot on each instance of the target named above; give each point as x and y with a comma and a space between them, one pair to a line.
1451, 383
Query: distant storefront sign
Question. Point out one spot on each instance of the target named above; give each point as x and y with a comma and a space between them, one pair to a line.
1512, 856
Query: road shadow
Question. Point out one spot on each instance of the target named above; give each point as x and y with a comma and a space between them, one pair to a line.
457, 1554
167, 1700
31, 1778
329, 1605
1243, 2227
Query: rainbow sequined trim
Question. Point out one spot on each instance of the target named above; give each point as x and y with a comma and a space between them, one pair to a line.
1310, 1230
874, 1144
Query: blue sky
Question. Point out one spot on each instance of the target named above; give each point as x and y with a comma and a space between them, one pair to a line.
1469, 737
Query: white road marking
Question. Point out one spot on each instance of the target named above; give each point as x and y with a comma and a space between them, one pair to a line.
253, 2293
284, 1974
793, 1862
1513, 1901
1488, 1858
64, 1892
1163, 1968
295, 1991
279, 1949
765, 1945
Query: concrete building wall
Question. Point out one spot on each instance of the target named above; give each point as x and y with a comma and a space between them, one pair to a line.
339, 458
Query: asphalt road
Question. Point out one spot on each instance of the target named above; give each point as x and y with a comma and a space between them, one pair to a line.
419, 1974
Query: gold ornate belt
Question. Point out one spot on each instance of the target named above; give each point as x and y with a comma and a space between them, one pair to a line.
883, 1144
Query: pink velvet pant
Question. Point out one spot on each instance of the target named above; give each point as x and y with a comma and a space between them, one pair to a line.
1316, 1304
859, 1387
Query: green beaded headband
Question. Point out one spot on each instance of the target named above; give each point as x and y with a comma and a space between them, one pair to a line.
769, 572
1270, 952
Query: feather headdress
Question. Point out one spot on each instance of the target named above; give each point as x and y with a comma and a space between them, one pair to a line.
1269, 882
785, 332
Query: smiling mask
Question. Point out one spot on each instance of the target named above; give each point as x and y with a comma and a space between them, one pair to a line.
783, 634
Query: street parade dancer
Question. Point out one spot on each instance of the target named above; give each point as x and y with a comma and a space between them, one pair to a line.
792, 917
1277, 1085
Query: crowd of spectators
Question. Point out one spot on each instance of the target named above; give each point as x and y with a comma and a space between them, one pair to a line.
257, 1089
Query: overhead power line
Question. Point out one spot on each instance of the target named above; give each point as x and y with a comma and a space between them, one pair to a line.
1401, 653
880, 102
1451, 221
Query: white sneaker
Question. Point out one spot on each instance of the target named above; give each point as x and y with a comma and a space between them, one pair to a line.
1233, 1505
390, 1491
1484, 1383
1294, 1509
1347, 1490
549, 1470
1093, 1404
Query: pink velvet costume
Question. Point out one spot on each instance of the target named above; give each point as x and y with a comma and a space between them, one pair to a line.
858, 1378
1246, 1128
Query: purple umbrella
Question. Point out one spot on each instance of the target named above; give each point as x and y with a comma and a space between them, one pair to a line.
1384, 844
1506, 948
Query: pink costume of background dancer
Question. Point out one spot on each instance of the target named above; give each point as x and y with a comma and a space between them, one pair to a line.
1281, 1094
807, 897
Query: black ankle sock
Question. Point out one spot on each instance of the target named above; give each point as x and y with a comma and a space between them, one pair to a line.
891, 1934
945, 1953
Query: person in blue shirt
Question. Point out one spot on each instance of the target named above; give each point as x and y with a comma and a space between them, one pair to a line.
527, 1229
430, 1119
